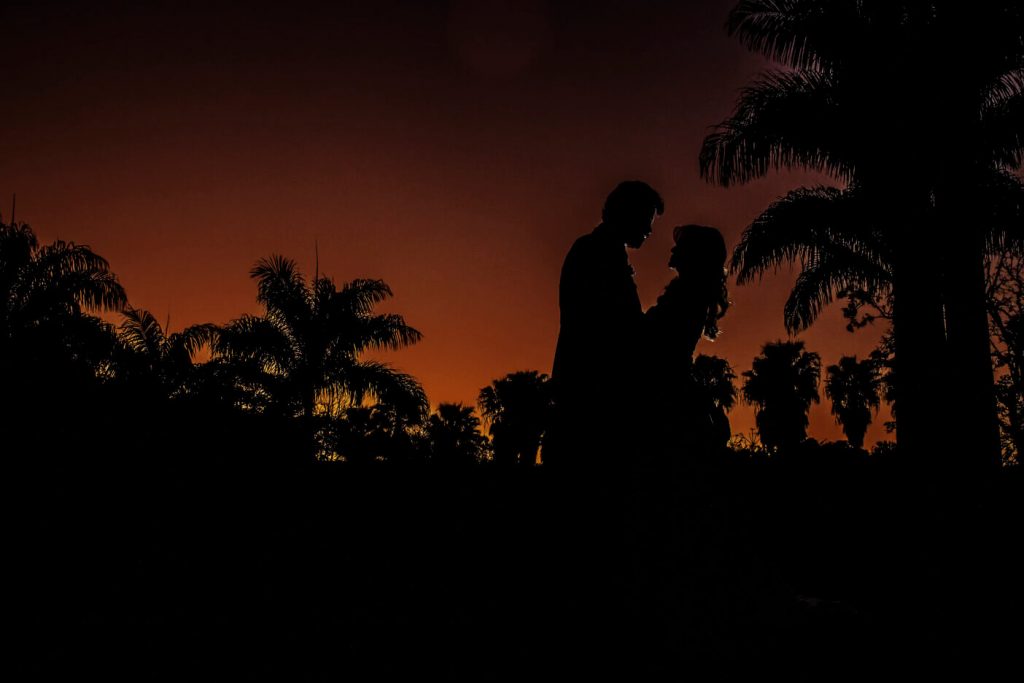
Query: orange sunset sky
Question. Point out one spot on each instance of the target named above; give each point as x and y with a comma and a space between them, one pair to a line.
454, 149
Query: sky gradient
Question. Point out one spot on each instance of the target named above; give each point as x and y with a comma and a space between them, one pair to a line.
453, 149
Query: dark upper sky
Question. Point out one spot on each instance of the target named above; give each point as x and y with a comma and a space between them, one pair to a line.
454, 149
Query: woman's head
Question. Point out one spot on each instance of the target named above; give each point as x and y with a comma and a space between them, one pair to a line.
699, 256
698, 247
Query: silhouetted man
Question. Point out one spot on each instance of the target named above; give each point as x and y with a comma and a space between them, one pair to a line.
594, 379
601, 322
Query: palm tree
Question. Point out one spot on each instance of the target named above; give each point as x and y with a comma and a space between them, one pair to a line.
827, 232
45, 294
715, 379
302, 357
873, 95
517, 408
781, 386
853, 387
151, 355
52, 351
454, 437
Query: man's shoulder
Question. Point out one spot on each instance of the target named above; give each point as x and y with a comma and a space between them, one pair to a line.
585, 241
593, 245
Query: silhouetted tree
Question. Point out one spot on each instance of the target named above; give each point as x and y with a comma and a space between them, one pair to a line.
150, 356
715, 379
1006, 316
830, 235
45, 293
302, 357
827, 232
454, 436
853, 387
53, 353
858, 99
781, 386
517, 408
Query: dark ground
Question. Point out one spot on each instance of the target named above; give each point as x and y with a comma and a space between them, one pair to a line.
825, 568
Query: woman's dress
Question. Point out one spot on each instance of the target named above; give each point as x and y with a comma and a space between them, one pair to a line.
681, 418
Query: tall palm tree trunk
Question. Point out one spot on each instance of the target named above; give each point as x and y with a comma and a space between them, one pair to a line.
975, 442
921, 389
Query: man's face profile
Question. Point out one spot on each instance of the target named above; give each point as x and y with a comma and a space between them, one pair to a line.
639, 229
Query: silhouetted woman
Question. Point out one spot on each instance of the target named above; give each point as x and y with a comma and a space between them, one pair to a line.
675, 436
688, 309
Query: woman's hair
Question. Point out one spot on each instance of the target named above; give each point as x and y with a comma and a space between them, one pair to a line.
701, 254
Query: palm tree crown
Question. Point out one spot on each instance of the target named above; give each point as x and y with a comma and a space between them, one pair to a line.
781, 385
518, 407
453, 434
50, 284
45, 294
302, 357
853, 387
715, 379
151, 353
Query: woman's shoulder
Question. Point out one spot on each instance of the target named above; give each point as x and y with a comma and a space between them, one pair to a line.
676, 293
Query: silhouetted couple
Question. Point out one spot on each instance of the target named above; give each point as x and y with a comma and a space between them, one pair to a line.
621, 377
627, 414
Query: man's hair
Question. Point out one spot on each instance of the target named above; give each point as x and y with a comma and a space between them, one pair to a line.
629, 199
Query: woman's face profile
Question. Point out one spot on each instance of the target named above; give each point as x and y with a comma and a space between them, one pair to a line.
675, 259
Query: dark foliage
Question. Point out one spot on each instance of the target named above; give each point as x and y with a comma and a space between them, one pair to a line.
517, 408
781, 385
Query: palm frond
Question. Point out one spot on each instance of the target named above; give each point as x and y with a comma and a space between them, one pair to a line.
786, 119
62, 257
186, 344
140, 332
1001, 200
490, 404
1004, 89
381, 382
75, 272
822, 281
383, 332
18, 243
798, 33
806, 225
358, 297
323, 293
281, 288
256, 339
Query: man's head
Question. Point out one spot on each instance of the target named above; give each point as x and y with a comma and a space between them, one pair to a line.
631, 209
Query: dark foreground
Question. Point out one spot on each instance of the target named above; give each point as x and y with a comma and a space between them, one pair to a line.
829, 569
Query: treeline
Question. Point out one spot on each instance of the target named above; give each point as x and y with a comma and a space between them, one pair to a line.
293, 383
295, 377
